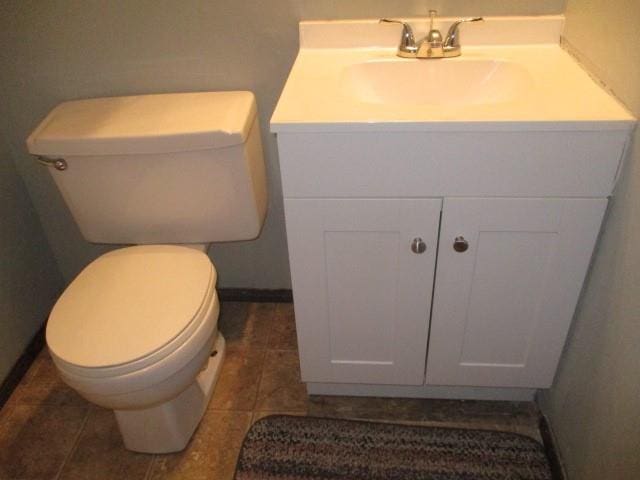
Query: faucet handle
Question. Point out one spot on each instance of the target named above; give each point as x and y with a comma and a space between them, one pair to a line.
407, 41
453, 35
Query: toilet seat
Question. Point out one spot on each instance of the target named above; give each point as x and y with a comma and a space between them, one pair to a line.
131, 308
107, 388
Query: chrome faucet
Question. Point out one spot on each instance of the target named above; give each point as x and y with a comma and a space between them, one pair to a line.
431, 46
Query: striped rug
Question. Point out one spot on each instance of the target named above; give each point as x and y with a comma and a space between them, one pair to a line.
285, 447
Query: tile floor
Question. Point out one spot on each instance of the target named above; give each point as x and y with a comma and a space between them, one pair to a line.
47, 431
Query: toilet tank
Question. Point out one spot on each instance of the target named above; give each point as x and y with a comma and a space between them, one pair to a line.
169, 168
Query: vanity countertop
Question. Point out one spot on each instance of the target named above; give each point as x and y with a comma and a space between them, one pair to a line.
513, 75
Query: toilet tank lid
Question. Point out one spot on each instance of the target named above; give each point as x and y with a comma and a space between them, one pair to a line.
145, 124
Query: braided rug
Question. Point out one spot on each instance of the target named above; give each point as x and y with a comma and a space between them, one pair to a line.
306, 448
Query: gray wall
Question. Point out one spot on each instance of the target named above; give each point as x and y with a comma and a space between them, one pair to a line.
593, 405
29, 279
66, 49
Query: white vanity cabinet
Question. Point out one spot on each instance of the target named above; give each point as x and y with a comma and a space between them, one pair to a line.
491, 310
509, 273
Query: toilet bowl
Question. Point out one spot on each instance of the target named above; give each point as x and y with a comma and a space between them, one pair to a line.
136, 331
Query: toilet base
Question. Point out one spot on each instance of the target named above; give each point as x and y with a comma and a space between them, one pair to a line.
168, 427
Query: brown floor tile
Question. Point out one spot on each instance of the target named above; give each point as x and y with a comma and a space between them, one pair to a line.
233, 316
389, 409
260, 415
283, 332
5, 412
42, 386
36, 440
529, 428
421, 410
100, 452
212, 452
237, 386
53, 394
280, 387
42, 357
245, 324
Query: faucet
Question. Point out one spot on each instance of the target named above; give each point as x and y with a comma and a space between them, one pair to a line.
432, 45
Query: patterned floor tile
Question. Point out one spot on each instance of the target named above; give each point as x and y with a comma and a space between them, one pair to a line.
237, 387
260, 415
43, 386
280, 387
212, 452
36, 440
100, 452
246, 325
283, 333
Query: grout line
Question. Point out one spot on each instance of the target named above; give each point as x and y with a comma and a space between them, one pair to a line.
76, 442
262, 366
272, 319
152, 463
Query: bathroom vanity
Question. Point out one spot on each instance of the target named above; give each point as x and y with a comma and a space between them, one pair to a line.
441, 214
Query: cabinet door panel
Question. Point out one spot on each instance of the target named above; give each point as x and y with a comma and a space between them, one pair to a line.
362, 297
502, 308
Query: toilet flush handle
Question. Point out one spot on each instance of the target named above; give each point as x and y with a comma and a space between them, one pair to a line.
57, 163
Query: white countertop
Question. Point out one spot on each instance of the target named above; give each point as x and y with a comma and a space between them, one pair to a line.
557, 95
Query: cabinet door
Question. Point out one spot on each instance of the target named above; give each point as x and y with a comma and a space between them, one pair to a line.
362, 296
503, 307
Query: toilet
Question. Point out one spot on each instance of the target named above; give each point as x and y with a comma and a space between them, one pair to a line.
136, 330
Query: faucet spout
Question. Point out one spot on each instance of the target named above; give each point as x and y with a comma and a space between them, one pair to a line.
431, 45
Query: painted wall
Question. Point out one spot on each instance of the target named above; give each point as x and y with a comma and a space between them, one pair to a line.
29, 279
67, 49
593, 405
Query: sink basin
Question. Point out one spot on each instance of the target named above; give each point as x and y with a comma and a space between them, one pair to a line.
436, 82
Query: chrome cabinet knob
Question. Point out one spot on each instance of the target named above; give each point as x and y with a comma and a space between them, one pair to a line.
418, 245
460, 244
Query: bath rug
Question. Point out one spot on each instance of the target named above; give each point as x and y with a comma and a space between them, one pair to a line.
283, 447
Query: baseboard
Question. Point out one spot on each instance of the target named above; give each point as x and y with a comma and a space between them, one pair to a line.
255, 295
551, 449
21, 366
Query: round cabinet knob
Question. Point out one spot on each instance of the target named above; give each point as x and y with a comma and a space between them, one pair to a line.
460, 244
418, 245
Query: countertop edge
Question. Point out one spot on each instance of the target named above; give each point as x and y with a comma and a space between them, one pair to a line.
278, 126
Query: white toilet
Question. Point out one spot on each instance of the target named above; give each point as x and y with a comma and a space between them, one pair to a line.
136, 331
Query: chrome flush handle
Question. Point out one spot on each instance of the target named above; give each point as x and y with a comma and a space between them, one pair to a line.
57, 163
